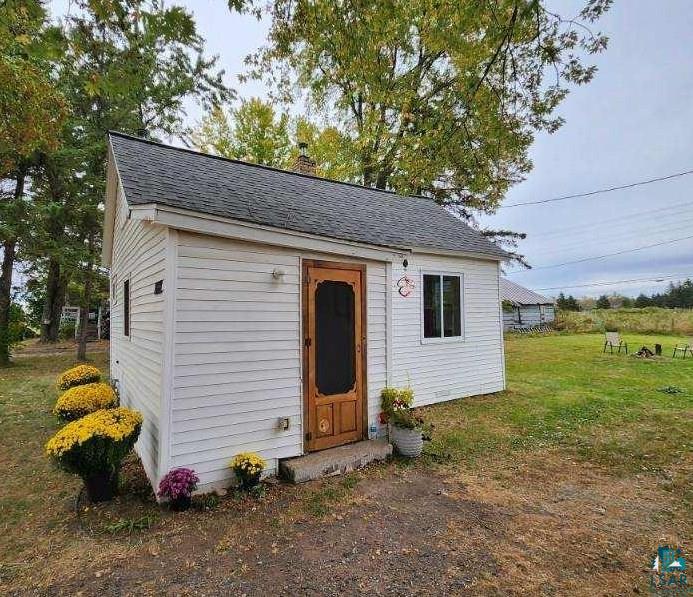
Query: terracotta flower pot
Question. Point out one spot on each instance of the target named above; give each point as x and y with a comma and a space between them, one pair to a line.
101, 486
408, 442
181, 503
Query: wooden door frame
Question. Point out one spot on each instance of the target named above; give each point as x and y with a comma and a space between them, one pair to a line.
337, 265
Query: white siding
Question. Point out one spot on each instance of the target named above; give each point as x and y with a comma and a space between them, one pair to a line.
452, 369
238, 360
139, 254
530, 316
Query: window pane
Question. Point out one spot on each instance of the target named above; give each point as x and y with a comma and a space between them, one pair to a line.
431, 309
335, 348
126, 308
452, 321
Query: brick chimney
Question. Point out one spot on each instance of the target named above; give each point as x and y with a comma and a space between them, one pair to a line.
303, 163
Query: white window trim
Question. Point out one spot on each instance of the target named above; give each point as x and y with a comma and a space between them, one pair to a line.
442, 339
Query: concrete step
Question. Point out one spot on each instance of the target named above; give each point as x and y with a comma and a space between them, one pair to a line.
334, 461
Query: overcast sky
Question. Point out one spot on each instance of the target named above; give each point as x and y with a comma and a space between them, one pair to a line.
633, 122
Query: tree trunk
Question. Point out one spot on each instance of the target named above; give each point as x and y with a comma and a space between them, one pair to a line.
84, 307
9, 248
56, 288
56, 282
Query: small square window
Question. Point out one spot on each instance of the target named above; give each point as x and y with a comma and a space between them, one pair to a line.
442, 306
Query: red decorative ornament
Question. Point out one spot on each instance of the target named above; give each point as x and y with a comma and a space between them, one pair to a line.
405, 286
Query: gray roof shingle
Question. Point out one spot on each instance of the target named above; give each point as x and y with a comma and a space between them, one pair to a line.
519, 295
154, 173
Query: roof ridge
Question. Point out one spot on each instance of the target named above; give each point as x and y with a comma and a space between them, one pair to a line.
261, 166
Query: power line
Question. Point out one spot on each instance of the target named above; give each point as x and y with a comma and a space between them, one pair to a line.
616, 220
620, 238
616, 282
598, 191
667, 242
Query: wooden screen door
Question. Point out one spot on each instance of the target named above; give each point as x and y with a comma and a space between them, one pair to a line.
334, 353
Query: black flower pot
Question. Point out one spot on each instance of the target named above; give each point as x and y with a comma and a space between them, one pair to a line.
247, 482
101, 486
181, 503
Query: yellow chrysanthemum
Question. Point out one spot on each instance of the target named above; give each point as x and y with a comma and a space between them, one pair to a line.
249, 463
116, 424
82, 400
77, 376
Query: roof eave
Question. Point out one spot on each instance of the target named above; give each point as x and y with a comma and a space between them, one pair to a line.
201, 223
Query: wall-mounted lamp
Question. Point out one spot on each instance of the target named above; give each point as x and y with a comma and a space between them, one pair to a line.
278, 274
405, 263
283, 423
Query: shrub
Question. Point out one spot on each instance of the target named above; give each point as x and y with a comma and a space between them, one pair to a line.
248, 467
81, 400
78, 376
397, 410
396, 399
97, 442
67, 330
178, 483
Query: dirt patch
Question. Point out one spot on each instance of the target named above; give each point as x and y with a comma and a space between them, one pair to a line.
546, 525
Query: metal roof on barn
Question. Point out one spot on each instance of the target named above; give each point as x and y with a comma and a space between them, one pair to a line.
153, 173
521, 296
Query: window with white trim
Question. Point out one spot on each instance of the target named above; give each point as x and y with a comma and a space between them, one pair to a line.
442, 306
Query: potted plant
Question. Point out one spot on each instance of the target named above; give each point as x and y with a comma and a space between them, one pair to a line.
248, 468
79, 401
178, 485
77, 376
407, 426
94, 446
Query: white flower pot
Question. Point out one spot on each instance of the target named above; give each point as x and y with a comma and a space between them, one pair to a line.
408, 442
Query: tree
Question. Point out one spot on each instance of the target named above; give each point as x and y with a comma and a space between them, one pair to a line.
32, 112
642, 301
255, 133
603, 302
626, 302
567, 303
252, 133
441, 99
130, 65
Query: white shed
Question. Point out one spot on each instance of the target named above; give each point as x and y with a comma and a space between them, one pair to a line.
524, 308
255, 309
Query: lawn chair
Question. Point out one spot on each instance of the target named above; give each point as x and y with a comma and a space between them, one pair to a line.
684, 346
614, 340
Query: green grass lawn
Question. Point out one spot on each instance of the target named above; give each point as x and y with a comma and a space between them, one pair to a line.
565, 398
563, 392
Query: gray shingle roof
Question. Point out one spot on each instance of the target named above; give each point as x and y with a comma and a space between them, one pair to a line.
155, 173
519, 295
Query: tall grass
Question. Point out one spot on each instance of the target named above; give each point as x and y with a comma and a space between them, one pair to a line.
650, 320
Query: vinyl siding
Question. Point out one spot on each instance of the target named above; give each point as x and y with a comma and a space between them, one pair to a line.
440, 371
238, 355
139, 254
530, 314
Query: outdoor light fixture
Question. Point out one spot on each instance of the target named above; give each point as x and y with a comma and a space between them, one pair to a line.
405, 263
278, 274
283, 423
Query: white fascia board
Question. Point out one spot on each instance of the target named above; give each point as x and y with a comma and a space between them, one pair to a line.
190, 221
465, 254
109, 209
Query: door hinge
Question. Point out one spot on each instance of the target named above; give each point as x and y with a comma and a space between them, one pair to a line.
308, 342
309, 436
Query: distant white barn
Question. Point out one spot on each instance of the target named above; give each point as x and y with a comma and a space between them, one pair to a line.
524, 308
255, 309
